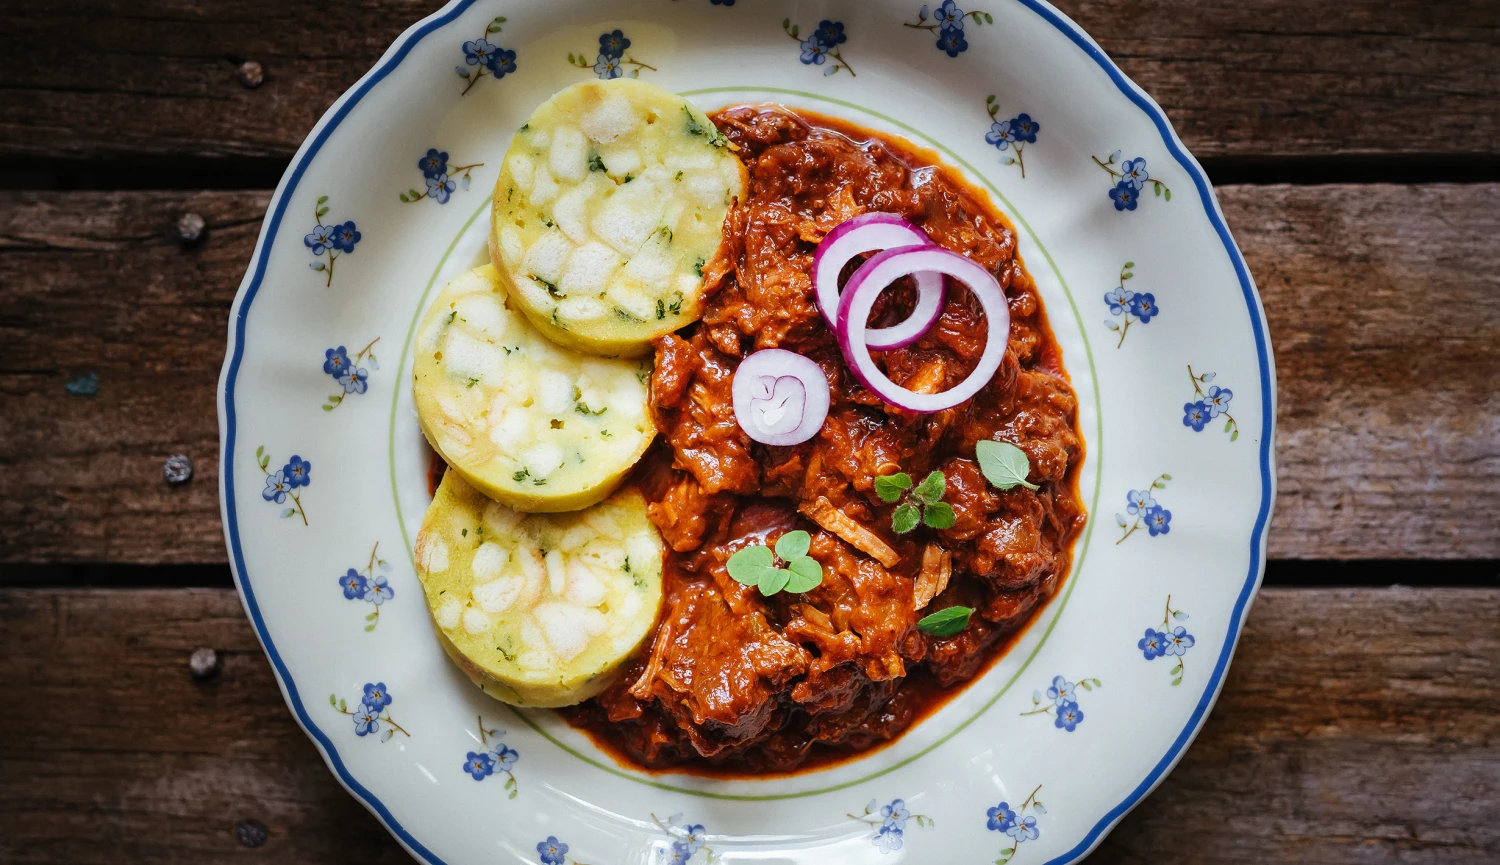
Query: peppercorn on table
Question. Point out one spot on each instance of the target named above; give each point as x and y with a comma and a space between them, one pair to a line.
1356, 152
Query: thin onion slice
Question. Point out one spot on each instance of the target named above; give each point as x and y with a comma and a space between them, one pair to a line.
883, 269
780, 397
870, 232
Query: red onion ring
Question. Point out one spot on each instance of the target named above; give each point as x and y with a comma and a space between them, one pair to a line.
780, 397
883, 269
869, 232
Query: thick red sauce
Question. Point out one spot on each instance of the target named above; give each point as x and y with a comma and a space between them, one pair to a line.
736, 683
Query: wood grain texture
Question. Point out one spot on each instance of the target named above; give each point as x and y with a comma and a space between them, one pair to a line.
1266, 78
98, 283
1383, 304
1356, 726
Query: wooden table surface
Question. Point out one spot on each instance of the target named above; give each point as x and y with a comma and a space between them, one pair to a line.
1356, 151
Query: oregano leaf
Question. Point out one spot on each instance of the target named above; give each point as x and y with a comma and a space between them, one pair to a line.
931, 488
774, 581
939, 515
946, 622
793, 545
751, 565
905, 518
806, 574
1003, 464
890, 487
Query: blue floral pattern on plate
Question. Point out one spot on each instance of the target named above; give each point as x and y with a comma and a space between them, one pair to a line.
285, 483
1062, 702
372, 711
1011, 134
1131, 306
351, 377
1147, 513
888, 823
687, 840
334, 238
366, 585
554, 852
1016, 823
1130, 178
948, 23
438, 176
612, 59
1211, 402
1168, 641
821, 47
494, 756
483, 56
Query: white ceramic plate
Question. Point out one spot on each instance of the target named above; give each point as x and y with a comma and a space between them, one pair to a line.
358, 237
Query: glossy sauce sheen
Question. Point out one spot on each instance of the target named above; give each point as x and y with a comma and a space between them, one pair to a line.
736, 683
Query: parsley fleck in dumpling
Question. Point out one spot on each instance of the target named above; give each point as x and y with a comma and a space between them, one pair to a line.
539, 609
531, 424
610, 201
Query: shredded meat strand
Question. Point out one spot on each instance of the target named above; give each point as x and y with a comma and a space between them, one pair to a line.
937, 567
852, 531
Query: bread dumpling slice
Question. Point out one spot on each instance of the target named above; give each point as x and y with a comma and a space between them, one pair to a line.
610, 201
539, 609
534, 425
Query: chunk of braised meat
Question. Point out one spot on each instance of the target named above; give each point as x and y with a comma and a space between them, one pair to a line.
690, 393
860, 615
715, 670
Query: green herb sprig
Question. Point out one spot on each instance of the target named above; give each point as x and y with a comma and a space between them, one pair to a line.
946, 622
924, 503
704, 128
1003, 464
755, 565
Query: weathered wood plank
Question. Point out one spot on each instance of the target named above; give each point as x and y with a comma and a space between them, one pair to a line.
1384, 310
1384, 307
1267, 78
1356, 726
98, 283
